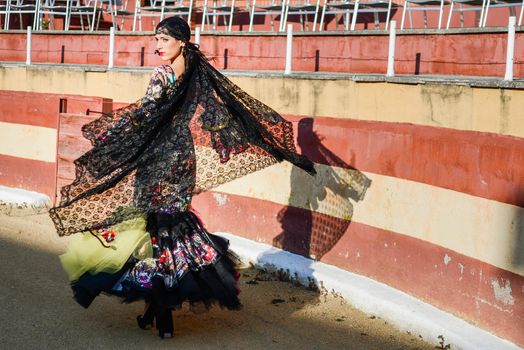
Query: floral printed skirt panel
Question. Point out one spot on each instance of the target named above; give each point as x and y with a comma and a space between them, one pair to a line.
168, 257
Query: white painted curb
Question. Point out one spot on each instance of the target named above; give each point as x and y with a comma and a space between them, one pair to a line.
17, 196
400, 309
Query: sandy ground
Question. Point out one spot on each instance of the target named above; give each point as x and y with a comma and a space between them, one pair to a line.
38, 312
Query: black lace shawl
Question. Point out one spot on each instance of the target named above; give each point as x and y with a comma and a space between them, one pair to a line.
153, 155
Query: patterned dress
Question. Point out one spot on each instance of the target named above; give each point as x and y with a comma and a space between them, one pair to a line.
167, 244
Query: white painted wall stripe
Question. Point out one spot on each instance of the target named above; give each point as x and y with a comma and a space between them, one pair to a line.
480, 228
28, 141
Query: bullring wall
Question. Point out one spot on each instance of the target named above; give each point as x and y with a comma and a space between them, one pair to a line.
420, 185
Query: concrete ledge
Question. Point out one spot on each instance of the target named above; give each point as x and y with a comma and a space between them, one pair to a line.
472, 81
402, 310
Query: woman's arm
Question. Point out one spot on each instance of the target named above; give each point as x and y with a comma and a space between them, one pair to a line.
122, 119
120, 136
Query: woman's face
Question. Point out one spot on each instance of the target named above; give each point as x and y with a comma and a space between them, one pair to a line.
168, 47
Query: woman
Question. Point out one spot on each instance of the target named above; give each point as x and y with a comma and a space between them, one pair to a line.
130, 200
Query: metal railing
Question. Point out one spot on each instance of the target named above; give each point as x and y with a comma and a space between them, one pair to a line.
287, 64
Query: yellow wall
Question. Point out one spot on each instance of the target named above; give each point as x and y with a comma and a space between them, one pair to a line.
28, 141
443, 105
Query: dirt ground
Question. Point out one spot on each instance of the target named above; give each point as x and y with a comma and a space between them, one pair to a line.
38, 312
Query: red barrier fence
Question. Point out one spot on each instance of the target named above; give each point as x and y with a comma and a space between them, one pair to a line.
469, 54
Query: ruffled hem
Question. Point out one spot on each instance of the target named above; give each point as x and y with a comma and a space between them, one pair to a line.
201, 271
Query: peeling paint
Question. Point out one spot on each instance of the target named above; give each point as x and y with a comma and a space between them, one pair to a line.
220, 198
503, 294
484, 301
461, 267
481, 300
447, 259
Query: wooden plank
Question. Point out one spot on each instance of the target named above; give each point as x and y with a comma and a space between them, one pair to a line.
72, 146
71, 124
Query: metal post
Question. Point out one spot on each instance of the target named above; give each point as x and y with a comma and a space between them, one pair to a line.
111, 47
391, 53
197, 35
231, 16
354, 15
289, 48
28, 50
440, 14
510, 50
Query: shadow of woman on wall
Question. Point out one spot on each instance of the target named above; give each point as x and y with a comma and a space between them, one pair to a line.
320, 207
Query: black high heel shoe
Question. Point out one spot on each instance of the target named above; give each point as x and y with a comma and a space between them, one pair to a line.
164, 324
145, 321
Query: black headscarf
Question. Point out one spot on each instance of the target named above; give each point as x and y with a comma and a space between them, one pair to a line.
232, 133
175, 27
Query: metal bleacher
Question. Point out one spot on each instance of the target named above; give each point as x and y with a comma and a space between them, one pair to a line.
253, 15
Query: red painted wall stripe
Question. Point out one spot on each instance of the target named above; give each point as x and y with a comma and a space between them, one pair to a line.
464, 286
41, 109
31, 175
29, 109
482, 164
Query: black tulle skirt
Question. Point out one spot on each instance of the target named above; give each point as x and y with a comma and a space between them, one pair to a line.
188, 264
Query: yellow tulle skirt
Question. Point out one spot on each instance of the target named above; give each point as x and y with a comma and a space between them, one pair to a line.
91, 252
